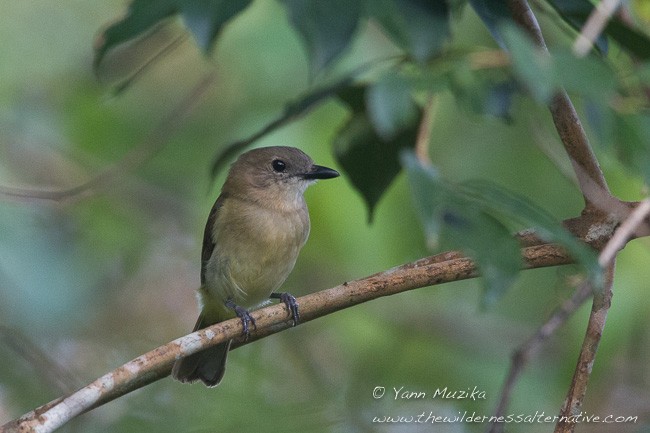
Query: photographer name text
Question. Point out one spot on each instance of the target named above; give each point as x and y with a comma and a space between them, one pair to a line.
401, 393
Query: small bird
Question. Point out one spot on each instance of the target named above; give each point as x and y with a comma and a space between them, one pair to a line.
254, 233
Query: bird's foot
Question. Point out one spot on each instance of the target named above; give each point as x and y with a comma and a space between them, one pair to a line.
292, 305
245, 317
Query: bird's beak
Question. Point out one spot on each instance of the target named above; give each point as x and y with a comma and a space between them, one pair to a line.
320, 172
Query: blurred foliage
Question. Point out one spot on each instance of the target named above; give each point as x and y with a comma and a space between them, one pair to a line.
96, 279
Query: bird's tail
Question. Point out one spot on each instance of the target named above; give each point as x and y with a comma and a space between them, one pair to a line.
208, 366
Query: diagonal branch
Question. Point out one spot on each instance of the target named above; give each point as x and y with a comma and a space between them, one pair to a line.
565, 117
156, 364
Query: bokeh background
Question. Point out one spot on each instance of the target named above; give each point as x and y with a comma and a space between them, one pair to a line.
92, 281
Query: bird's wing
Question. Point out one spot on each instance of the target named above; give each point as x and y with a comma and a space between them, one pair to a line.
208, 239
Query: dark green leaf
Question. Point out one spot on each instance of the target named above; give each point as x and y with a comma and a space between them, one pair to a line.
587, 76
326, 27
370, 162
493, 14
632, 141
633, 41
498, 101
206, 18
141, 18
576, 12
390, 105
488, 242
430, 193
533, 67
354, 97
421, 27
458, 222
513, 207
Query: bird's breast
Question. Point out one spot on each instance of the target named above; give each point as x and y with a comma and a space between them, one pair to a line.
255, 250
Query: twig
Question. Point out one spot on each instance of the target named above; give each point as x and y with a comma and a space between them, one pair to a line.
594, 26
424, 131
157, 364
594, 189
578, 389
526, 351
57, 376
627, 230
152, 144
597, 318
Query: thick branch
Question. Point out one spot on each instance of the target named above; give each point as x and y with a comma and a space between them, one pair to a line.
157, 364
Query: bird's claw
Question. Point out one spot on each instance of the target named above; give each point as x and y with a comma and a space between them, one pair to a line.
292, 305
245, 317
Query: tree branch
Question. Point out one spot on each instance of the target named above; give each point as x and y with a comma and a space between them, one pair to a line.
599, 309
526, 351
156, 364
578, 389
565, 118
597, 197
529, 349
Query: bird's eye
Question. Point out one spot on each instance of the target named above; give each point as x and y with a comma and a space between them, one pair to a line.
278, 165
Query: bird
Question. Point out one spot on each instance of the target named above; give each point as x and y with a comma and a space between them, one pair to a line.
251, 241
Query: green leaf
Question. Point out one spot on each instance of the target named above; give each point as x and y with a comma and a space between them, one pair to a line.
513, 207
390, 105
633, 41
488, 242
326, 27
576, 12
203, 18
632, 142
140, 18
430, 193
543, 73
458, 222
493, 14
587, 76
421, 27
533, 66
206, 18
369, 161
354, 97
